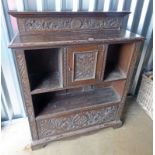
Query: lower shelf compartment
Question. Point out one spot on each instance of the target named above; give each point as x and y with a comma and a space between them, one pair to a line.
70, 110
59, 102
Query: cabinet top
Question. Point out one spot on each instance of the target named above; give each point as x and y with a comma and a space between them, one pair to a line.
27, 14
58, 39
46, 29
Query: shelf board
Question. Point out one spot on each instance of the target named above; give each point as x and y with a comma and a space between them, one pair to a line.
49, 83
71, 38
115, 74
69, 102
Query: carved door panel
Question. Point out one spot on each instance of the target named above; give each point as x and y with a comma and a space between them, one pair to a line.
85, 64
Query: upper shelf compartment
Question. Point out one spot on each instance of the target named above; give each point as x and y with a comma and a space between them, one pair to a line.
118, 61
44, 69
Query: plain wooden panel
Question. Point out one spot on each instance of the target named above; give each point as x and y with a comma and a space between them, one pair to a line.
119, 86
126, 53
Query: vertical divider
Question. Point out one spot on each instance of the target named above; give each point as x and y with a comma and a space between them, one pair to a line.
64, 67
60, 59
104, 61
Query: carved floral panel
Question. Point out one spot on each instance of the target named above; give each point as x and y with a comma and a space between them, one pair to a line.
74, 121
85, 65
77, 23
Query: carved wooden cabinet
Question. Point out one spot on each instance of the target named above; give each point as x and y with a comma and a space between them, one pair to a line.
75, 70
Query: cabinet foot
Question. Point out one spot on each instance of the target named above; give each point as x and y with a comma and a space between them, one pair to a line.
41, 143
118, 125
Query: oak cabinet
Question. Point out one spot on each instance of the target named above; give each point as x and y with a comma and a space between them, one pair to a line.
75, 70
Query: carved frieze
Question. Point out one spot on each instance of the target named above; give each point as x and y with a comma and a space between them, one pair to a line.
74, 121
85, 65
61, 24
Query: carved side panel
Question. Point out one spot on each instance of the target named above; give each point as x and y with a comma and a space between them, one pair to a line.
20, 57
75, 121
70, 23
129, 76
85, 65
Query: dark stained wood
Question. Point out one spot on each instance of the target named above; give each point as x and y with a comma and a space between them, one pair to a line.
48, 83
47, 88
119, 86
20, 57
118, 61
84, 64
128, 81
126, 53
29, 14
44, 141
41, 22
115, 74
75, 70
72, 38
44, 68
74, 121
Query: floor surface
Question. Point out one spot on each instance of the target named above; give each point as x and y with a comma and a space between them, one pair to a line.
133, 138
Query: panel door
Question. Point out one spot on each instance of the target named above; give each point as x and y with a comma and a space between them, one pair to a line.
85, 64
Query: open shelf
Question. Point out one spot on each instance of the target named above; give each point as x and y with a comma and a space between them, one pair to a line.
114, 73
118, 61
44, 69
49, 83
61, 101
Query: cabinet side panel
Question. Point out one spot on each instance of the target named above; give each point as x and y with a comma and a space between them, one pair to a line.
119, 86
129, 76
126, 54
20, 58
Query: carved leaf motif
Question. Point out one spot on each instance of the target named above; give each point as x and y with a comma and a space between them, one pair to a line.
54, 126
85, 65
79, 23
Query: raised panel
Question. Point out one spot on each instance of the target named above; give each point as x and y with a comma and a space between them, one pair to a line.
85, 65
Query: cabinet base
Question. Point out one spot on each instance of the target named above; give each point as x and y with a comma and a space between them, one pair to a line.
43, 142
